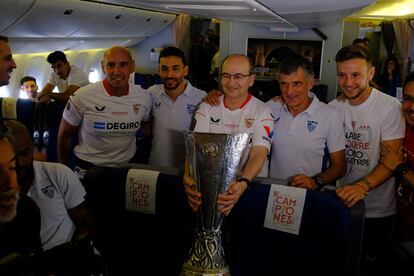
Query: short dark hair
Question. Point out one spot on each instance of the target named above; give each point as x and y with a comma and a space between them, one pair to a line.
173, 51
56, 56
358, 40
352, 52
408, 79
4, 38
214, 39
292, 64
27, 78
5, 133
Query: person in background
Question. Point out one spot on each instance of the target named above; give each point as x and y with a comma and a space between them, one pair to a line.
29, 87
309, 132
68, 78
362, 42
401, 161
238, 111
371, 118
106, 114
390, 79
214, 42
173, 105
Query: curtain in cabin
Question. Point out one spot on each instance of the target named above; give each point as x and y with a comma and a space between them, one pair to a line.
404, 35
180, 31
388, 36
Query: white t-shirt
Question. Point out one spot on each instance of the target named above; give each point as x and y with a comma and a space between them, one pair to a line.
170, 119
378, 119
55, 189
253, 117
107, 124
301, 143
76, 77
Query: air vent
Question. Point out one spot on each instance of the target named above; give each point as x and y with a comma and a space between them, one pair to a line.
68, 12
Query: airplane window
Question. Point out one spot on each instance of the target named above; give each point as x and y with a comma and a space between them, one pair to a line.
93, 75
23, 95
4, 92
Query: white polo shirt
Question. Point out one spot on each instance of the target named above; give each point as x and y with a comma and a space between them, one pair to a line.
55, 189
302, 143
170, 119
253, 117
377, 119
76, 77
107, 124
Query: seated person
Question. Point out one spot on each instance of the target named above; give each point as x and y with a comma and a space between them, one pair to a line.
19, 214
68, 78
65, 216
29, 87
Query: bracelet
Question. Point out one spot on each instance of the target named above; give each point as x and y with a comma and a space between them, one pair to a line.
367, 183
242, 179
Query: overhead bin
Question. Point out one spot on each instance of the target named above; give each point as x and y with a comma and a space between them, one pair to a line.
53, 18
11, 11
146, 23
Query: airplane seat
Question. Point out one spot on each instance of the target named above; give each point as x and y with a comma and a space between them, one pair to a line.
321, 91
139, 79
328, 243
131, 240
23, 110
53, 116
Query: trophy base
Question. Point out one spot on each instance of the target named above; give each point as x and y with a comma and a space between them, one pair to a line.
192, 271
206, 257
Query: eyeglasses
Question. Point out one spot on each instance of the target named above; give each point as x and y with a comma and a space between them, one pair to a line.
408, 99
236, 77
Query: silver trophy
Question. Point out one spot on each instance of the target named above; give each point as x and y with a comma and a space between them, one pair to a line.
214, 161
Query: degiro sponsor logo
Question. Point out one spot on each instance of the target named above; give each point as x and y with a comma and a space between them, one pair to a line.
115, 125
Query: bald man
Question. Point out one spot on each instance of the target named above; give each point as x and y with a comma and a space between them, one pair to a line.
106, 114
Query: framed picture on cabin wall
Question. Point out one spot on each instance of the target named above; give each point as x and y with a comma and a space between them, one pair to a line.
266, 54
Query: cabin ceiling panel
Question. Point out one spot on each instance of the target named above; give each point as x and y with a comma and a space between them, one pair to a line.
230, 10
274, 14
51, 18
11, 11
146, 23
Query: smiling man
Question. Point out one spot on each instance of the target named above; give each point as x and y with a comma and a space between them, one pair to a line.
7, 63
308, 132
68, 78
371, 118
238, 111
174, 103
106, 114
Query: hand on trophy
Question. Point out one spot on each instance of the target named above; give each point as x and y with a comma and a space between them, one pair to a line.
194, 197
229, 199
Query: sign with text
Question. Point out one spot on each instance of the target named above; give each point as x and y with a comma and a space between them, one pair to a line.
9, 108
140, 191
285, 208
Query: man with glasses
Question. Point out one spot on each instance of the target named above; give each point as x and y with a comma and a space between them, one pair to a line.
238, 111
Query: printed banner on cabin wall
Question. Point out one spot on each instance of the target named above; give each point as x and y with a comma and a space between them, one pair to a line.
285, 208
140, 191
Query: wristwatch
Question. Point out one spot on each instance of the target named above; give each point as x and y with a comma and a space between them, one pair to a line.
319, 182
402, 169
